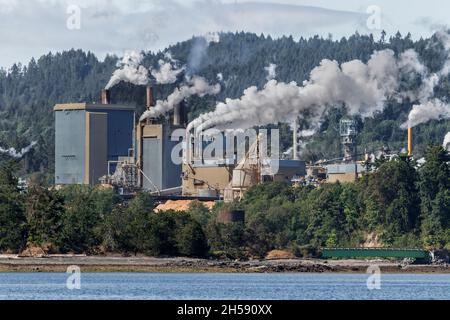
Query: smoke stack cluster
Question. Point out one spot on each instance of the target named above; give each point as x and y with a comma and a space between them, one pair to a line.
105, 96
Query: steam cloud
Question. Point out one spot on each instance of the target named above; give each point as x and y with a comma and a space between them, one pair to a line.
444, 38
130, 70
18, 154
212, 37
271, 70
431, 108
168, 72
446, 143
194, 86
199, 49
363, 88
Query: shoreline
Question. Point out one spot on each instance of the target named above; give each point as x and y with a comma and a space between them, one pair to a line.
60, 263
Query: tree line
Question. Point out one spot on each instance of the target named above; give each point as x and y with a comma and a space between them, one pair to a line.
402, 203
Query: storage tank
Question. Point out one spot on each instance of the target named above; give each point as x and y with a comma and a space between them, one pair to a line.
229, 216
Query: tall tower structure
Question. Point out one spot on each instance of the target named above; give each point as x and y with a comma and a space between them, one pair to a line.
155, 146
88, 137
348, 137
410, 142
296, 141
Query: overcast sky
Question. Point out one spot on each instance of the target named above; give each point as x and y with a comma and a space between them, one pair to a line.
30, 28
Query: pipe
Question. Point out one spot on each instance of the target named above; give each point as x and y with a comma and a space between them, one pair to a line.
295, 141
105, 96
149, 100
177, 115
410, 142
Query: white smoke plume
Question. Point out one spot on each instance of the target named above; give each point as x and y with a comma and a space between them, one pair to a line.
166, 74
212, 37
444, 38
307, 133
410, 63
130, 70
199, 48
271, 70
446, 143
363, 88
411, 66
18, 154
194, 86
431, 110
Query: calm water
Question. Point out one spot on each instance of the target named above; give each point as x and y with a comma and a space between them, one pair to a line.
44, 286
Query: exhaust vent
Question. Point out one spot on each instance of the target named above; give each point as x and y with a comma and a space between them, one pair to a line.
105, 96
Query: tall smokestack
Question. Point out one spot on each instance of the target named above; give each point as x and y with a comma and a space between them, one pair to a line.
410, 142
295, 141
177, 115
105, 96
149, 97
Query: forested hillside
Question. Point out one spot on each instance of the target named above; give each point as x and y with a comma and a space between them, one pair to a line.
28, 93
399, 205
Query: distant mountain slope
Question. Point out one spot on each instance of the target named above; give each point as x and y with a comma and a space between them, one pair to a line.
28, 93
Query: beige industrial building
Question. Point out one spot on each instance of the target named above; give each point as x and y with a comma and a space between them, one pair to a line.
206, 180
230, 177
344, 172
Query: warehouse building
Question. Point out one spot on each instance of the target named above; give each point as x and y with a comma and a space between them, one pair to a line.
344, 172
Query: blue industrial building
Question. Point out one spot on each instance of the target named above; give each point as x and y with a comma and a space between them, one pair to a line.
88, 137
155, 147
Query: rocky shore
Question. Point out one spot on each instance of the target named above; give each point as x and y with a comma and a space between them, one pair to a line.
59, 263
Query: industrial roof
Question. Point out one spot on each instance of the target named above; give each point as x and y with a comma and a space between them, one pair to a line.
343, 168
287, 163
92, 107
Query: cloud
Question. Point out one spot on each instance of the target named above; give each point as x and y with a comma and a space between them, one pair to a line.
34, 27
